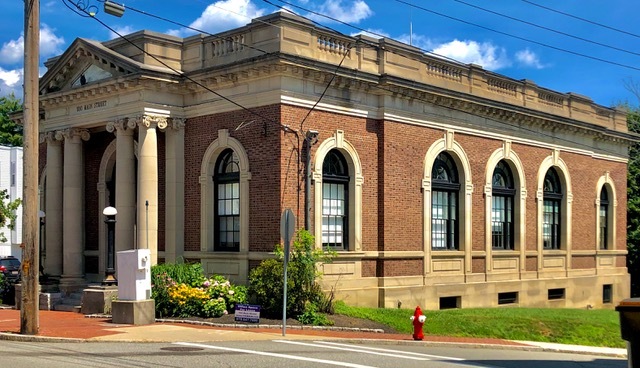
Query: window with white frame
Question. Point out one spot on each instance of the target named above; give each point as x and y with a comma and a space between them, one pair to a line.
227, 201
445, 190
335, 201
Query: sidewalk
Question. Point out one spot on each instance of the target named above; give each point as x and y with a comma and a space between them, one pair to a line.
69, 326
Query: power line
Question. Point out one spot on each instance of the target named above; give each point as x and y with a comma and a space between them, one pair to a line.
376, 85
518, 37
177, 72
546, 28
582, 19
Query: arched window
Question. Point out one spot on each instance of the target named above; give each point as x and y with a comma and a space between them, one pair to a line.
552, 192
226, 180
335, 201
604, 218
444, 203
502, 195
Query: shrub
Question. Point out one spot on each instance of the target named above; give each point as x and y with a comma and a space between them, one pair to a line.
266, 280
164, 276
219, 287
181, 290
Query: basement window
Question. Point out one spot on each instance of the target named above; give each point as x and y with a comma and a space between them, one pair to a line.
607, 294
555, 294
449, 302
508, 298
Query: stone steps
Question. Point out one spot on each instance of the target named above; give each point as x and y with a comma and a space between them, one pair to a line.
70, 303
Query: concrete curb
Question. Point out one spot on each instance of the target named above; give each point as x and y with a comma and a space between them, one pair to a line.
35, 338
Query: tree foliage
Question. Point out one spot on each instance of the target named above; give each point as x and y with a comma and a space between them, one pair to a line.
633, 204
10, 132
7, 212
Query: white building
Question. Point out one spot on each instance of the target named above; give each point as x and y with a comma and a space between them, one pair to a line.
11, 180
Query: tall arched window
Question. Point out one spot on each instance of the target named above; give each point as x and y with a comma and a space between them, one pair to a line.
227, 201
502, 194
335, 201
552, 192
444, 203
604, 218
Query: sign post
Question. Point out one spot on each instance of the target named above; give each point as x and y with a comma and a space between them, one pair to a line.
287, 227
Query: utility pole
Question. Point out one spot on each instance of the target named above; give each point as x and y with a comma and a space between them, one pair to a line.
29, 317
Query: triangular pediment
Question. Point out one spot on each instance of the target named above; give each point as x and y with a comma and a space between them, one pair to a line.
85, 62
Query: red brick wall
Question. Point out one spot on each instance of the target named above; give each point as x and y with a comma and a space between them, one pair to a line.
264, 165
583, 262
399, 267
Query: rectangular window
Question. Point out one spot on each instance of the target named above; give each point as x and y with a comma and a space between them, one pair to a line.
501, 222
443, 220
333, 215
555, 294
228, 215
508, 298
607, 294
551, 224
603, 226
449, 302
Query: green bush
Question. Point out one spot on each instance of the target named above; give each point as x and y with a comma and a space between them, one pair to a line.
181, 290
266, 280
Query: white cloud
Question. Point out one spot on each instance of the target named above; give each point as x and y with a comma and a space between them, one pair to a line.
12, 52
487, 55
49, 42
123, 31
529, 58
11, 81
353, 13
373, 33
221, 16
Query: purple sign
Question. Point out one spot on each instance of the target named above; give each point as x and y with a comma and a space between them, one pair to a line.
247, 313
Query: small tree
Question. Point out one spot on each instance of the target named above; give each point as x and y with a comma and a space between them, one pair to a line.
10, 132
303, 290
7, 213
633, 205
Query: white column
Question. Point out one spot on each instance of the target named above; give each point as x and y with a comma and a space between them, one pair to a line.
174, 191
148, 183
53, 206
72, 208
125, 200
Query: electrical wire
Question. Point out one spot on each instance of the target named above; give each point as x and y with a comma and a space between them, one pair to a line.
582, 19
518, 37
376, 85
546, 28
179, 73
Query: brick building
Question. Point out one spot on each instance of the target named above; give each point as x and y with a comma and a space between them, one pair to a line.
437, 183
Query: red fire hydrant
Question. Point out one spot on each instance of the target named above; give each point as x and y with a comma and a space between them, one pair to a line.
418, 321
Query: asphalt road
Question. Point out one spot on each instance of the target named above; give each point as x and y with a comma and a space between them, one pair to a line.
283, 353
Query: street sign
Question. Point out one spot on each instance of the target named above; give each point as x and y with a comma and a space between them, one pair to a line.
287, 226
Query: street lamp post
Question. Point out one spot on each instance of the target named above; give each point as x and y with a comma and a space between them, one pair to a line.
109, 275
41, 216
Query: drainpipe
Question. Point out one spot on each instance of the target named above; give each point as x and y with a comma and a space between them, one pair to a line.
310, 138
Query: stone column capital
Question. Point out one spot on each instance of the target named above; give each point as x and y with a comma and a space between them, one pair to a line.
152, 121
178, 123
73, 133
121, 127
49, 137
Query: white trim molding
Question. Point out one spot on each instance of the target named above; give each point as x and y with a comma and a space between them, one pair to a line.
448, 144
207, 191
337, 141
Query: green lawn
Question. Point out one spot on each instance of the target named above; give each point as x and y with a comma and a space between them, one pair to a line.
566, 326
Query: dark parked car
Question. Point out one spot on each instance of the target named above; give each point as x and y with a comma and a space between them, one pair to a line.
10, 268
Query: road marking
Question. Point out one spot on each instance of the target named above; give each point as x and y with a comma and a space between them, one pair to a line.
276, 355
402, 355
393, 351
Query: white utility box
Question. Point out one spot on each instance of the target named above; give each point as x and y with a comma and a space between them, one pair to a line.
134, 274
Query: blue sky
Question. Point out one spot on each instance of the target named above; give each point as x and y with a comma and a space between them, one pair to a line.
554, 50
